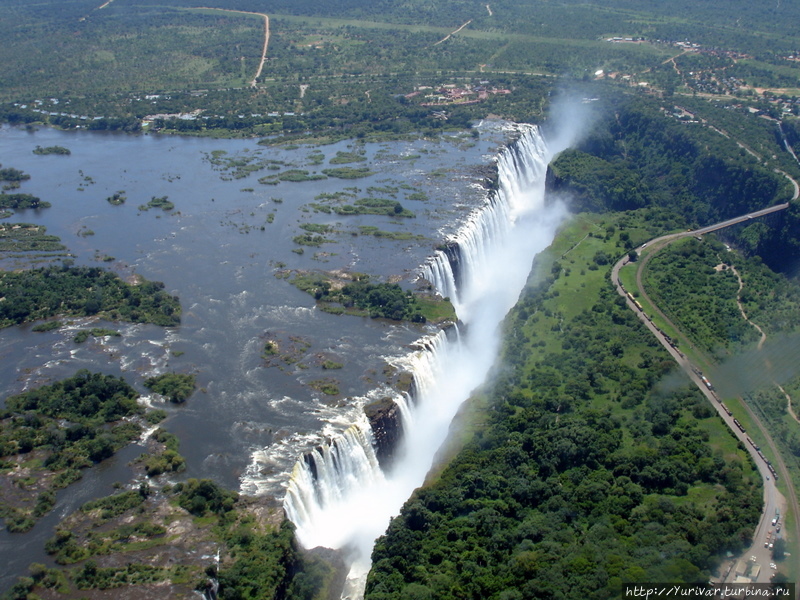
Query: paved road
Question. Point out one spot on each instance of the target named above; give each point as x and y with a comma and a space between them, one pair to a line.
774, 501
735, 220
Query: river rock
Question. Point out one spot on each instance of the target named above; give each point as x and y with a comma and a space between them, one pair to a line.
387, 428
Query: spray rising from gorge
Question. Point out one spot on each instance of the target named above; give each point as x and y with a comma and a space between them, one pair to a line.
339, 496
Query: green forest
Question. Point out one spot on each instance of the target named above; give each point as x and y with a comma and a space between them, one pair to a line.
83, 291
588, 460
584, 473
639, 156
61, 428
349, 68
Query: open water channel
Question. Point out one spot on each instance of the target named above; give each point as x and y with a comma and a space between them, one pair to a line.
219, 250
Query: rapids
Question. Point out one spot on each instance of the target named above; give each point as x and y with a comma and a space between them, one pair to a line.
339, 496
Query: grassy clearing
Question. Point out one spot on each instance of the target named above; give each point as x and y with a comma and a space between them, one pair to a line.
334, 23
578, 245
436, 310
500, 36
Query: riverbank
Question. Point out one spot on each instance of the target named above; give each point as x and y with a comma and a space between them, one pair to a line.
580, 386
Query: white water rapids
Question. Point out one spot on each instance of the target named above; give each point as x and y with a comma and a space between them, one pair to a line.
339, 497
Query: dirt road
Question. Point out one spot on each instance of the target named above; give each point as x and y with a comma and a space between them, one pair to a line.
447, 37
266, 36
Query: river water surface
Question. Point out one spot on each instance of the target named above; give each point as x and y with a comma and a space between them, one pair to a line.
219, 250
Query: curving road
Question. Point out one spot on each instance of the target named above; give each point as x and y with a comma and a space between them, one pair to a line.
266, 36
774, 502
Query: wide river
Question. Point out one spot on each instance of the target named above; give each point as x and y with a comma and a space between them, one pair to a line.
220, 250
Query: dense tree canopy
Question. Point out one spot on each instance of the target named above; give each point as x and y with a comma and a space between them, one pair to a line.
69, 425
639, 156
579, 478
83, 291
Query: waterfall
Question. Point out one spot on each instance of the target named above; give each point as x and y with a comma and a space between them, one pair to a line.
462, 270
338, 496
325, 478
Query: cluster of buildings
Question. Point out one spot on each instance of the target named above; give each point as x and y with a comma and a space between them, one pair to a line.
450, 94
710, 83
39, 106
621, 40
714, 80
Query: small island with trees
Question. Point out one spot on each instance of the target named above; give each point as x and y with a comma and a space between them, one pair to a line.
58, 150
354, 294
64, 290
21, 201
117, 198
155, 202
175, 386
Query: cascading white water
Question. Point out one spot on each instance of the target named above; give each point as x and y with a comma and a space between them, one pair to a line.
338, 496
483, 240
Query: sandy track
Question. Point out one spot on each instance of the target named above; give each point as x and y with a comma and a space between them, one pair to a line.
447, 37
266, 36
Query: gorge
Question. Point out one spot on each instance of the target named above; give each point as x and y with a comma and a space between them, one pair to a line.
270, 410
340, 496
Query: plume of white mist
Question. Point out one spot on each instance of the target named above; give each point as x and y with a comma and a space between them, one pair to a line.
570, 118
776, 363
500, 260
459, 368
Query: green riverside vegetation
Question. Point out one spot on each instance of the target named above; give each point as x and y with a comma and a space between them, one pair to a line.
585, 462
58, 430
259, 560
83, 291
580, 458
25, 237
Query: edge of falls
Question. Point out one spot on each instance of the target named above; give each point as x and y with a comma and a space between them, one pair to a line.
339, 495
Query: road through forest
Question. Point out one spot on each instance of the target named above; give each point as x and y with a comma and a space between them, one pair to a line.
266, 36
773, 499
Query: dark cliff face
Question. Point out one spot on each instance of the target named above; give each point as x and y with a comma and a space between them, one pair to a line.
552, 183
557, 187
489, 176
387, 428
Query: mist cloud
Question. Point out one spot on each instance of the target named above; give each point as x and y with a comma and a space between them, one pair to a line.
497, 246
776, 363
570, 118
